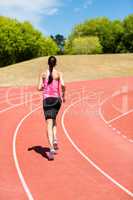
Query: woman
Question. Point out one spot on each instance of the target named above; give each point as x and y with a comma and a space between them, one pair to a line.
50, 83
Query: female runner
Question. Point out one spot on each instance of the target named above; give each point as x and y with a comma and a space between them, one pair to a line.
51, 83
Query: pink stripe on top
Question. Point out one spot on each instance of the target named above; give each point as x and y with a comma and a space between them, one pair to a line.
52, 89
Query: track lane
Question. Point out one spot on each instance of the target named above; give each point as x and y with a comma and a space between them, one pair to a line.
49, 179
117, 113
101, 145
68, 170
69, 166
10, 186
123, 124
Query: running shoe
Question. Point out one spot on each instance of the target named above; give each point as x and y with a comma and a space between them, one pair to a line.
55, 146
51, 155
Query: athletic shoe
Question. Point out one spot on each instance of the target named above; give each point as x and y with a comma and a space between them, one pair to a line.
54, 151
51, 155
55, 146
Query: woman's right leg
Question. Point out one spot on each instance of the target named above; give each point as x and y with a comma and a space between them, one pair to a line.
55, 141
54, 130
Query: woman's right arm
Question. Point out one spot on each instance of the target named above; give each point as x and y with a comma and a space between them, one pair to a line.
62, 87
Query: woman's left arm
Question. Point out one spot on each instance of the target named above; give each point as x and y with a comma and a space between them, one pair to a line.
40, 82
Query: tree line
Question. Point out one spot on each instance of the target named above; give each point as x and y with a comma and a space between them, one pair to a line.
20, 41
101, 35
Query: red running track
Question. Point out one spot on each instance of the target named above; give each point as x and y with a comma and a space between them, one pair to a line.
95, 158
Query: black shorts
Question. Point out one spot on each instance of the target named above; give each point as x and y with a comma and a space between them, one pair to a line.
51, 107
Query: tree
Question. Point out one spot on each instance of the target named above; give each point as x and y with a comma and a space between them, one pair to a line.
21, 41
109, 32
127, 40
84, 45
117, 33
60, 41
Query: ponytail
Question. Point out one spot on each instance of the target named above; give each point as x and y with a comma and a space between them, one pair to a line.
51, 63
50, 78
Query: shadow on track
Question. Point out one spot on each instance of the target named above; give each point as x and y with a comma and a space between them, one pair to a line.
43, 151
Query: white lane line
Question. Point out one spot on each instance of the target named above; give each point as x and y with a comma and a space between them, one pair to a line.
14, 138
5, 99
124, 136
115, 93
86, 157
120, 116
29, 195
130, 140
17, 96
2, 97
108, 122
17, 105
114, 129
118, 132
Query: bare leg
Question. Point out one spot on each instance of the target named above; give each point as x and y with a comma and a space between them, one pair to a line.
54, 130
55, 141
50, 132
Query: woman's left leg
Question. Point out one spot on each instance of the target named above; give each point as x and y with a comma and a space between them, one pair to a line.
54, 130
55, 141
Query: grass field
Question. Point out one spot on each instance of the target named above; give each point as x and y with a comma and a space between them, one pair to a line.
82, 67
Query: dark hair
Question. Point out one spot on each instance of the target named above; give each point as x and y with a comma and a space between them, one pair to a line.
51, 63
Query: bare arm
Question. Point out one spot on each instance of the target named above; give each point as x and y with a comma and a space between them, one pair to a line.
40, 82
63, 88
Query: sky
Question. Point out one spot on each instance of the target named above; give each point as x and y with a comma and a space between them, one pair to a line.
53, 17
